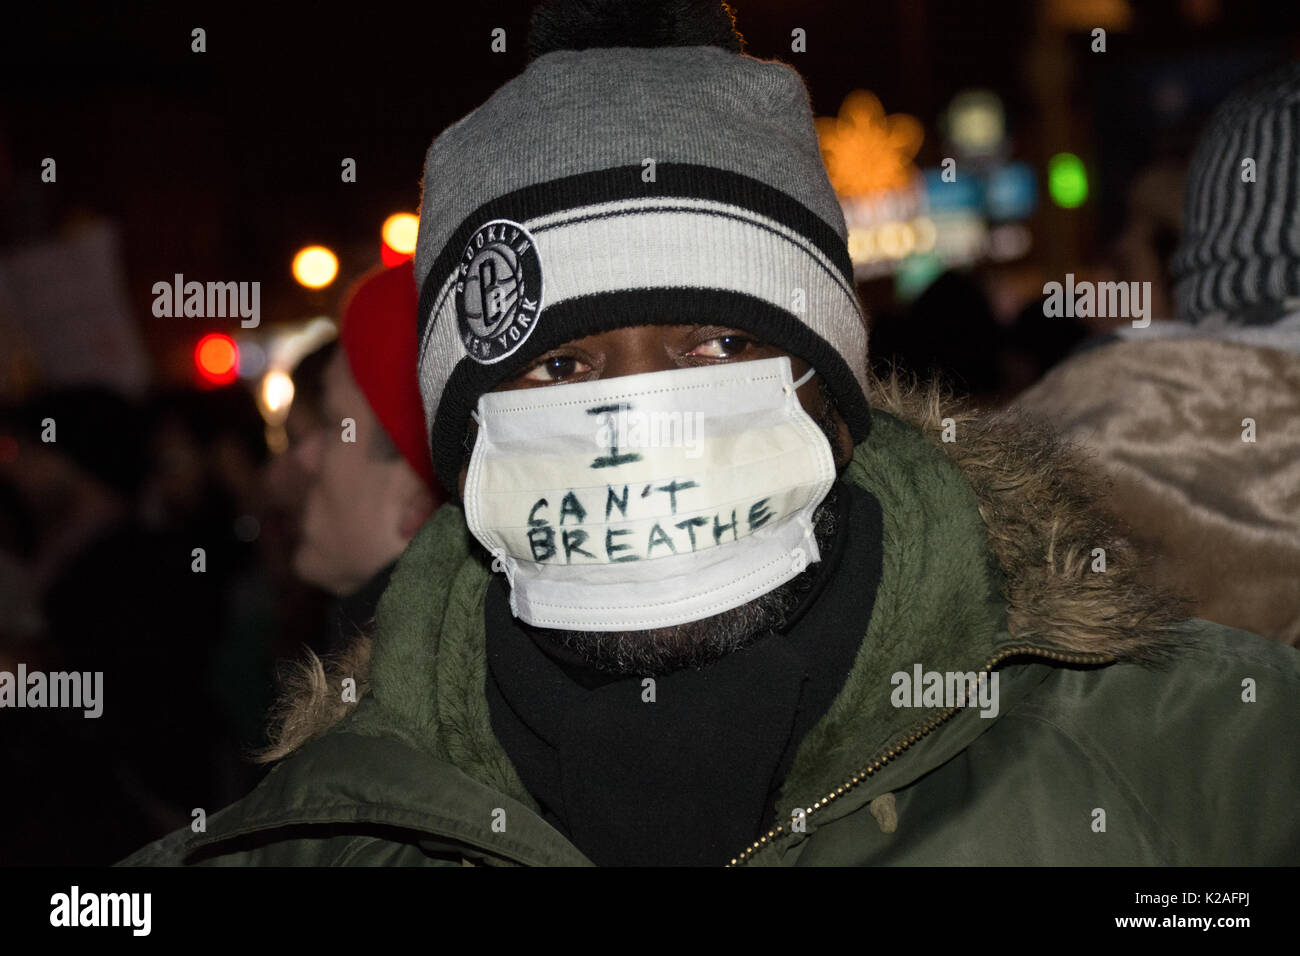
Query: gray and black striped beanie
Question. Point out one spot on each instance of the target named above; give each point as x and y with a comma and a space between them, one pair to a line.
1240, 253
611, 187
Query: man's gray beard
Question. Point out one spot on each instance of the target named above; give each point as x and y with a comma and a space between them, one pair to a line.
662, 650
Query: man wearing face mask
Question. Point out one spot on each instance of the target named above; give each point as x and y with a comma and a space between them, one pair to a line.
704, 603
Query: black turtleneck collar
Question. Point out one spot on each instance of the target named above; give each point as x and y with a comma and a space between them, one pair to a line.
692, 775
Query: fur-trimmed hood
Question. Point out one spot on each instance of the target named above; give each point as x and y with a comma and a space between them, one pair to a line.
1001, 553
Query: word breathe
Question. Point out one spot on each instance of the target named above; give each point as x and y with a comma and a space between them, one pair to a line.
947, 689
652, 536
59, 689
1102, 300
621, 427
215, 300
103, 909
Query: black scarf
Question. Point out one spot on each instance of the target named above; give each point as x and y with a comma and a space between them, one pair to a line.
693, 777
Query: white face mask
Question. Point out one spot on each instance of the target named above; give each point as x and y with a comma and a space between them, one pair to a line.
650, 500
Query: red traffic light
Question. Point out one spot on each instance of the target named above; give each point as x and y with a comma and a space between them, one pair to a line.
216, 358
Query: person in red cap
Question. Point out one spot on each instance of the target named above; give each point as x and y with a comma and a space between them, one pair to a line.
371, 480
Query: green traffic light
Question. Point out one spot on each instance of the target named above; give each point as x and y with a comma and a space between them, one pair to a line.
1067, 180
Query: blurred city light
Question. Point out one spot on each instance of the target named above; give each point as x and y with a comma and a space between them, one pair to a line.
252, 357
866, 152
976, 122
1067, 180
1010, 241
1011, 192
399, 234
289, 343
315, 267
217, 359
915, 274
284, 348
277, 390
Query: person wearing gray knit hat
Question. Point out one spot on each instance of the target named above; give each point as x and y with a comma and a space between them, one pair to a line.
606, 188
699, 602
1197, 419
628, 190
1239, 260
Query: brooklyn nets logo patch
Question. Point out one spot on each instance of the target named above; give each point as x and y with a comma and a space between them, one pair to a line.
498, 290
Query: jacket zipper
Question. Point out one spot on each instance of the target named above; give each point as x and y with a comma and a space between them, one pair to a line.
884, 758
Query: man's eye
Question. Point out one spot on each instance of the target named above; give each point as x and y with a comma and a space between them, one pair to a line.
724, 346
556, 369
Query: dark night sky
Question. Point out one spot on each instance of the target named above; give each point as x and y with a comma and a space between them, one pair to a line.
222, 164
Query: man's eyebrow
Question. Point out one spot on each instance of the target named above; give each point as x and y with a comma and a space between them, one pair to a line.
722, 331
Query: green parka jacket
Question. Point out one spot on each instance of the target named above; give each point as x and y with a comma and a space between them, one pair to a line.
1122, 736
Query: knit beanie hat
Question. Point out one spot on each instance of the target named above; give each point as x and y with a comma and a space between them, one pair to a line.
378, 337
1240, 253
615, 184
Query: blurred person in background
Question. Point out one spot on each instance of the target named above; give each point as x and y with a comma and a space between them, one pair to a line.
302, 608
116, 597
1197, 421
286, 479
370, 476
1140, 253
209, 454
206, 448
948, 333
1152, 228
21, 621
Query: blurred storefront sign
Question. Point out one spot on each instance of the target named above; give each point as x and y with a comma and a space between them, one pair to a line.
972, 209
65, 317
